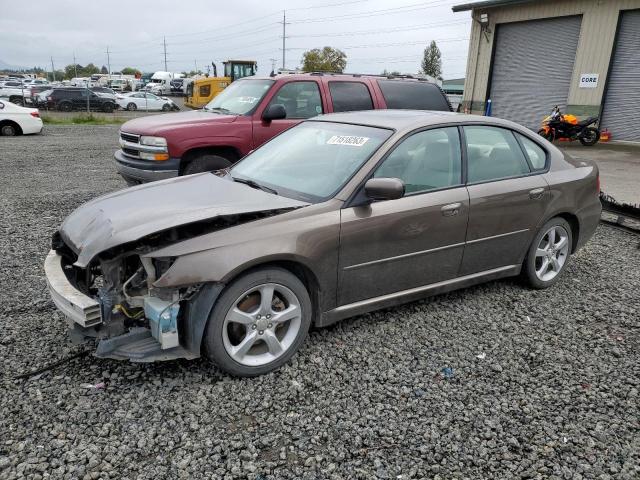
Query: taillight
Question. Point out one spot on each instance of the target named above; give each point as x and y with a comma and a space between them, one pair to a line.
35, 114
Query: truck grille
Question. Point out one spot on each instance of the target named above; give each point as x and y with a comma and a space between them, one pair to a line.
129, 137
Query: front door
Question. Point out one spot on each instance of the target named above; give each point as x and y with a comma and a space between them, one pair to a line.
507, 197
395, 245
301, 99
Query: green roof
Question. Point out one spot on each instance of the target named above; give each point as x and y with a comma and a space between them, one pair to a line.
487, 4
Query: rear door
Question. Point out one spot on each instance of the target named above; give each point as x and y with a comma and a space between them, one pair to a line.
508, 196
394, 245
350, 96
301, 99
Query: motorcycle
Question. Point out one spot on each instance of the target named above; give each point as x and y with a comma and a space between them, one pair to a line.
558, 126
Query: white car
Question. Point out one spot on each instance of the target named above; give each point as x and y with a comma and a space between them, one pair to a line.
17, 120
144, 101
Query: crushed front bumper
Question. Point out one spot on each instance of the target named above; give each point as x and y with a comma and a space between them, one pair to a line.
77, 306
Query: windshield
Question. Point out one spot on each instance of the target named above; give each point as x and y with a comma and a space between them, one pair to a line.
311, 161
241, 97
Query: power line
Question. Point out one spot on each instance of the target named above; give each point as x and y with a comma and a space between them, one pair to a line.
396, 44
382, 31
374, 13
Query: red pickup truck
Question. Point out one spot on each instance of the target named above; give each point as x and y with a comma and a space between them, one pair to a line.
251, 111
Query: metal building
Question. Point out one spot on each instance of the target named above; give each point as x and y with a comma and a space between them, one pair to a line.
529, 55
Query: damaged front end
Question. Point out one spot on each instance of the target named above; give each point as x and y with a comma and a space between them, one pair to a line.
113, 300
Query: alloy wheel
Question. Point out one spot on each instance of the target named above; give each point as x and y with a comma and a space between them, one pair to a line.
552, 253
262, 324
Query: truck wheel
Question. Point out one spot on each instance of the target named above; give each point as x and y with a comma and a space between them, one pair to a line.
206, 163
258, 323
590, 136
132, 106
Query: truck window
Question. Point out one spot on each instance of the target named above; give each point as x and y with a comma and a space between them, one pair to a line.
205, 90
300, 99
350, 96
413, 95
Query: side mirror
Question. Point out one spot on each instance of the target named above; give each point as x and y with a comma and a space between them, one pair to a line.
384, 188
274, 112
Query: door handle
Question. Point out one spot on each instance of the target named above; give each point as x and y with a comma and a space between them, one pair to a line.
536, 193
451, 210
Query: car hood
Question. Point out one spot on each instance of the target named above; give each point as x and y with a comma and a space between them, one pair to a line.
131, 214
155, 124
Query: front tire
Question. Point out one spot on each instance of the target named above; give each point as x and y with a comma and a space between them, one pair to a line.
258, 323
590, 136
107, 107
166, 107
206, 163
548, 254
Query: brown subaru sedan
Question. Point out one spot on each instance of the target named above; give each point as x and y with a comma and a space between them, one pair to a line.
340, 215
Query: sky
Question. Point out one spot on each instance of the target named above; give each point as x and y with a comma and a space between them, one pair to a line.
375, 34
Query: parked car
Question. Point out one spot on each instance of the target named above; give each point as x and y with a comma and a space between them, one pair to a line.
145, 101
338, 216
251, 111
68, 99
18, 120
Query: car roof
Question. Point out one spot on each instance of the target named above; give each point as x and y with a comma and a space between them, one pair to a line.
407, 119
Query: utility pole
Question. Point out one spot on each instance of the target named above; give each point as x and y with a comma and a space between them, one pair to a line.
75, 65
108, 63
195, 66
164, 42
53, 70
284, 37
273, 64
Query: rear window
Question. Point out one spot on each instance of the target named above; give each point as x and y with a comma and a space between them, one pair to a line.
413, 95
350, 96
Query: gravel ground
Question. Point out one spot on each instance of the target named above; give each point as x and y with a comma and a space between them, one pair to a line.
495, 381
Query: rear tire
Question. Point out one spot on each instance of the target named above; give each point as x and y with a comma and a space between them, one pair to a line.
590, 136
271, 329
206, 163
17, 101
548, 254
132, 107
10, 129
65, 106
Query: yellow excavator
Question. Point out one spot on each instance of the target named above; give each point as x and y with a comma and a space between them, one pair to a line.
202, 90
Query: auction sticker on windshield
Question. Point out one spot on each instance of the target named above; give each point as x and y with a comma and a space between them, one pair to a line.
347, 140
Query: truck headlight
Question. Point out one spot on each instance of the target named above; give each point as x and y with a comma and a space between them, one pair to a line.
153, 141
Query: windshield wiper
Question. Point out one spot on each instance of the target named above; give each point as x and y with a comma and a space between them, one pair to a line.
254, 184
217, 109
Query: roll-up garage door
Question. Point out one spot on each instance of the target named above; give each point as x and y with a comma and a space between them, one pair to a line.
532, 68
622, 100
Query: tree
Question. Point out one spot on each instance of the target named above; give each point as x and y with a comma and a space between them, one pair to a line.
70, 71
130, 71
326, 60
104, 70
432, 61
393, 73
